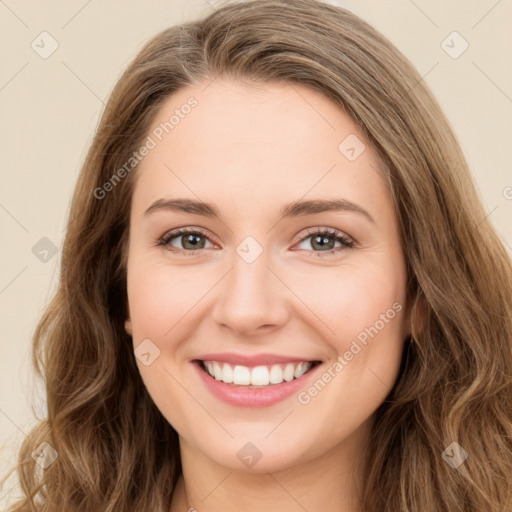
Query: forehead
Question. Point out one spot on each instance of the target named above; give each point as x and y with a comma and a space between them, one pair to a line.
228, 139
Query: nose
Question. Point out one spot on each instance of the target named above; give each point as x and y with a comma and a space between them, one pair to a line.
251, 300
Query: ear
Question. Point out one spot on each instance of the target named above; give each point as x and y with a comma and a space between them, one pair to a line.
128, 321
128, 326
417, 314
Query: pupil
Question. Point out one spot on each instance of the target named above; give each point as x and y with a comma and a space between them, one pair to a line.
189, 239
323, 241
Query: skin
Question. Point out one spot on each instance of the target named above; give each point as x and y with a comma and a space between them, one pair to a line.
248, 149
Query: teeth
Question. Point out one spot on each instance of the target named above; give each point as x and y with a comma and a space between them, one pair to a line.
301, 369
241, 375
217, 371
276, 374
227, 373
258, 375
209, 367
289, 372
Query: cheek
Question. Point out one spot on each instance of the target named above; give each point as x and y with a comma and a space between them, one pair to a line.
160, 295
347, 300
361, 314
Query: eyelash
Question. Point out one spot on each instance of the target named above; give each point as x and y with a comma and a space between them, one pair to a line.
346, 241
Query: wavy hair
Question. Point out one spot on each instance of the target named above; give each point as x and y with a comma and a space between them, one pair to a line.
116, 452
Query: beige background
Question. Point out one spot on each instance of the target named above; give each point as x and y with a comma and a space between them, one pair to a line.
50, 108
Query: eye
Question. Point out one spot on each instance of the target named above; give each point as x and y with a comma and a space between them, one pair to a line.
193, 240
325, 239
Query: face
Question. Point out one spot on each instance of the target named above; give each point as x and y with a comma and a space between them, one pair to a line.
263, 290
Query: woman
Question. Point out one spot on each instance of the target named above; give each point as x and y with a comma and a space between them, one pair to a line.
199, 355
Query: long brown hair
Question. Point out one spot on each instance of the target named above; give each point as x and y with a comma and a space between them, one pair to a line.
116, 452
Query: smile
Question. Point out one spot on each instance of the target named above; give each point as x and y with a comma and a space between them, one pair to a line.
254, 384
258, 376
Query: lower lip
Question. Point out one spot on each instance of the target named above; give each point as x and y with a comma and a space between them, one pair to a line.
242, 396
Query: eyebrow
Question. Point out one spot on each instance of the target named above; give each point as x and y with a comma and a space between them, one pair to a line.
294, 209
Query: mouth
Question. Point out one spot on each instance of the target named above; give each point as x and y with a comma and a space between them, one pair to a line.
254, 377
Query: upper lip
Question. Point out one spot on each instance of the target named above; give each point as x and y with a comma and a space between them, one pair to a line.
252, 360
